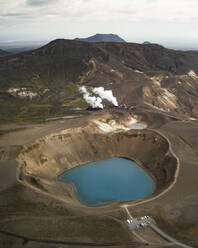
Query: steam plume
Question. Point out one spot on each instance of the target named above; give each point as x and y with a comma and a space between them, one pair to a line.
95, 102
106, 94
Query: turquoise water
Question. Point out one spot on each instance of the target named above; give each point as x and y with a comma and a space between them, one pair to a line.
138, 126
110, 180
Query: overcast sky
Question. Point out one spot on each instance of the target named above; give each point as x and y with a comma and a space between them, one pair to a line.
173, 22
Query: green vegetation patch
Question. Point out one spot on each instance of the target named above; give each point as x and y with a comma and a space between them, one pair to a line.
36, 113
106, 121
77, 103
32, 112
72, 88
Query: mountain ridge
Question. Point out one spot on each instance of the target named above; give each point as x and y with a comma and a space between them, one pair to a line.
102, 38
50, 76
4, 53
63, 59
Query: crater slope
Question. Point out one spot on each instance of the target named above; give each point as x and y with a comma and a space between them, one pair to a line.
43, 161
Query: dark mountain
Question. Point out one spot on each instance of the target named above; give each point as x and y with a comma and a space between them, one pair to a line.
63, 61
146, 43
21, 49
21, 46
3, 53
48, 78
194, 51
102, 38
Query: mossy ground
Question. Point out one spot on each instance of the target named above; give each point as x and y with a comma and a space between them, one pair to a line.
77, 103
72, 88
26, 111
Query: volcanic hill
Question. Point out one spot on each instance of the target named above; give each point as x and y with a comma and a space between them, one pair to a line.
3, 53
38, 83
102, 38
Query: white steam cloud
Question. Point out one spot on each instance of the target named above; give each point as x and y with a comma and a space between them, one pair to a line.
96, 101
106, 94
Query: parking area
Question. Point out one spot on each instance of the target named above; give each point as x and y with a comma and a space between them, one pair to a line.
136, 223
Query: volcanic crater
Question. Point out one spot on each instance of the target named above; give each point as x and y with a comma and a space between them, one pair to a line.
41, 163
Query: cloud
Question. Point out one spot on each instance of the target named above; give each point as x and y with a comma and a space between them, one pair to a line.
13, 14
71, 18
103, 10
37, 3
151, 1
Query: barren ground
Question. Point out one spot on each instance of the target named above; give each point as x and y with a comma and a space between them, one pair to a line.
29, 213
